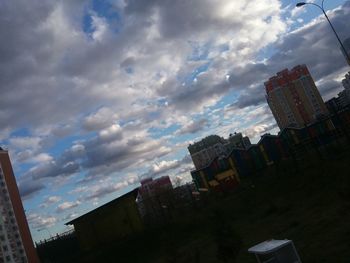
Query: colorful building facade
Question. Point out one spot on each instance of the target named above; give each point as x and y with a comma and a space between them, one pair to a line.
224, 173
294, 99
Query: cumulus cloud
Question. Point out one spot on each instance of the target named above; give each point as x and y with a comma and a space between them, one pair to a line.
100, 191
103, 118
31, 157
192, 127
307, 45
53, 169
27, 188
38, 221
164, 167
67, 205
49, 201
104, 89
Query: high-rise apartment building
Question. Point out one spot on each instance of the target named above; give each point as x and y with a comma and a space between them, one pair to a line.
214, 146
204, 151
294, 98
15, 238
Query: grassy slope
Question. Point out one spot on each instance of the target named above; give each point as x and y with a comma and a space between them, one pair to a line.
311, 206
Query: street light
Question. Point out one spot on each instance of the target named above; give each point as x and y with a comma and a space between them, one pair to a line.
325, 14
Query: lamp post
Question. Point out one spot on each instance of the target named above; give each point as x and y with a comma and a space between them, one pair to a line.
325, 14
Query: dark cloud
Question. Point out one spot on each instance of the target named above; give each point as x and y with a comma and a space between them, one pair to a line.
28, 188
105, 153
58, 78
54, 169
193, 127
314, 45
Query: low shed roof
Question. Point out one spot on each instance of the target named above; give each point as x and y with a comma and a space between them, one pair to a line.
97, 210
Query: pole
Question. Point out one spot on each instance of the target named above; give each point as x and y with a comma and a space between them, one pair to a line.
336, 35
335, 32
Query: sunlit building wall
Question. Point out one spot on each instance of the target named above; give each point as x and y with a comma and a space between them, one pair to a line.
294, 98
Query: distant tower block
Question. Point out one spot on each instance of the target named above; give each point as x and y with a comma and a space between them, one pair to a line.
294, 98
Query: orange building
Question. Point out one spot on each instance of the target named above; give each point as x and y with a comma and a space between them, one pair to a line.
294, 98
16, 240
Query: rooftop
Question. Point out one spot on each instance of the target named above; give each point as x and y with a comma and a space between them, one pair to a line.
97, 210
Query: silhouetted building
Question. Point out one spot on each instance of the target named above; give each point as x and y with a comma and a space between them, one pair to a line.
154, 195
15, 238
294, 99
237, 140
333, 105
110, 222
344, 95
152, 187
343, 99
346, 81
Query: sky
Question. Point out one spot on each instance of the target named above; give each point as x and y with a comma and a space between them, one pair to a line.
98, 94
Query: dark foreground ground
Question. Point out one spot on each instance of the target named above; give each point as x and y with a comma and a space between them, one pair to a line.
309, 204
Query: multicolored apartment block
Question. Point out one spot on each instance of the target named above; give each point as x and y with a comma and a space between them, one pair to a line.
15, 238
294, 98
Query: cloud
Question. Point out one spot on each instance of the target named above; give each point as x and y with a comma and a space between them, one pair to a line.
38, 221
103, 118
53, 169
164, 167
110, 150
100, 191
307, 45
49, 201
27, 188
66, 206
31, 157
90, 99
25, 142
192, 127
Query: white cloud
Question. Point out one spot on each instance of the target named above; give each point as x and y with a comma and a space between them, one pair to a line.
67, 205
25, 142
50, 200
103, 118
38, 221
109, 89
